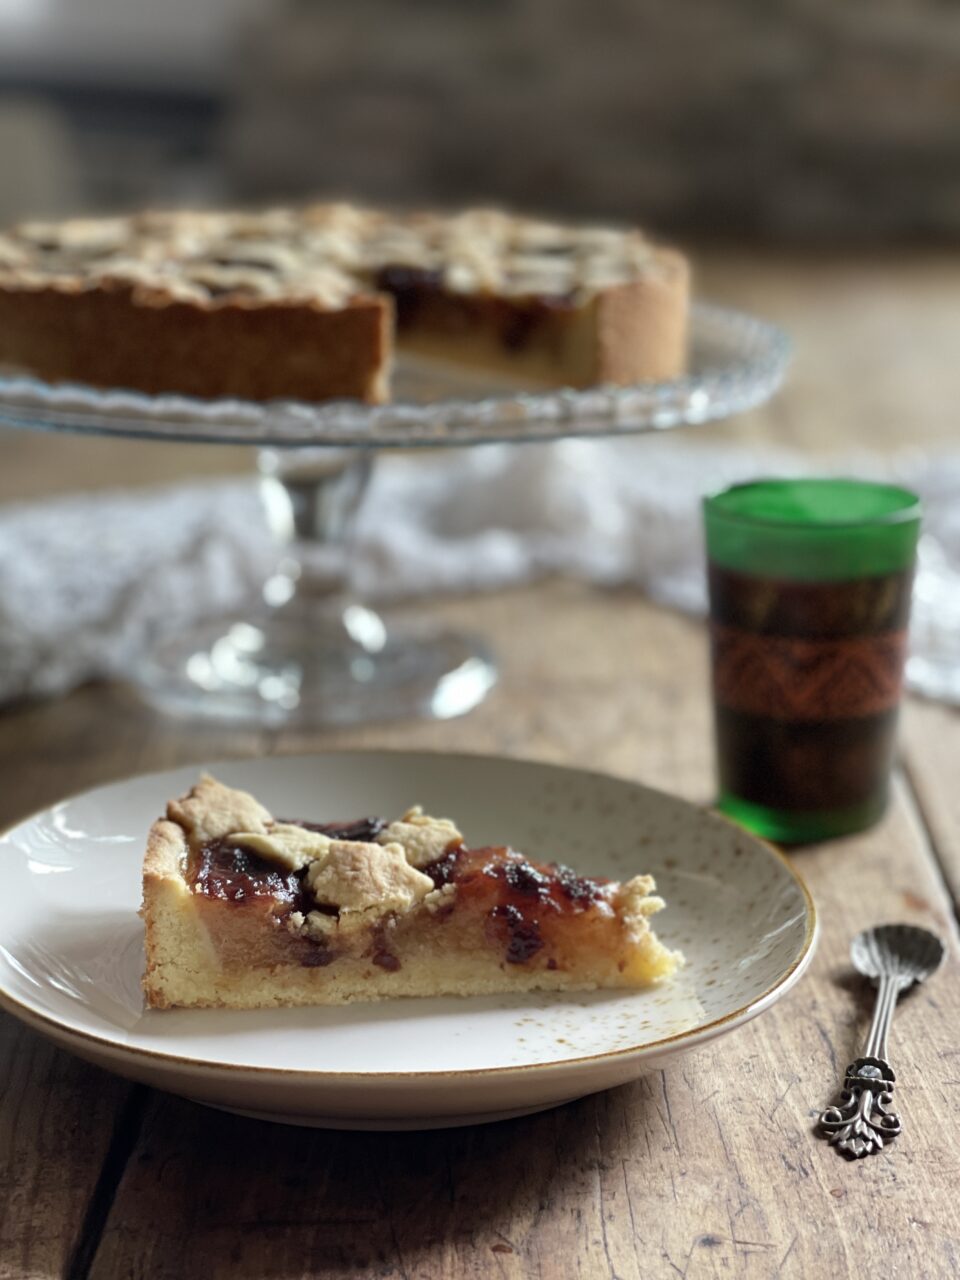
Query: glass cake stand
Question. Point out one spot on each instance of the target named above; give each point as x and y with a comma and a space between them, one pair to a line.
307, 653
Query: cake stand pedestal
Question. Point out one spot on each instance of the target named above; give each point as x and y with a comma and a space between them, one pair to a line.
307, 653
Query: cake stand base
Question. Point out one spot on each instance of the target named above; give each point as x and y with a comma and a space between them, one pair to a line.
277, 672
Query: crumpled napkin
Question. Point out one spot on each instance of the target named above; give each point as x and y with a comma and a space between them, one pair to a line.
86, 580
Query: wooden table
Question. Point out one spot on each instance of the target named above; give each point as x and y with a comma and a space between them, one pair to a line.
707, 1169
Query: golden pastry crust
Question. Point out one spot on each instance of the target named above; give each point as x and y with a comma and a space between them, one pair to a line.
423, 839
362, 882
111, 335
211, 810
363, 923
641, 327
301, 304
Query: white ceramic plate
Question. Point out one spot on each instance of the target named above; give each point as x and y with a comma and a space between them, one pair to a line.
71, 946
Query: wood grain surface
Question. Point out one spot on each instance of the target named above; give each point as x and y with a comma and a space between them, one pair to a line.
707, 1169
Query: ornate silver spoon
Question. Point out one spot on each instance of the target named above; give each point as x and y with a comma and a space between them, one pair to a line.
893, 957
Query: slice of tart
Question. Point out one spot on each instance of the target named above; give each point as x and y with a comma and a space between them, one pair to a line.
244, 910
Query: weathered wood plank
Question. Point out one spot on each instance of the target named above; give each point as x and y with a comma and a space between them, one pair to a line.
931, 745
57, 1119
872, 335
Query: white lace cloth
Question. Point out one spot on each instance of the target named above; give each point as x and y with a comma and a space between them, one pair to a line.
85, 580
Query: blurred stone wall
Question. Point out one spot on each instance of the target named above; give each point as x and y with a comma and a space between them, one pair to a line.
803, 118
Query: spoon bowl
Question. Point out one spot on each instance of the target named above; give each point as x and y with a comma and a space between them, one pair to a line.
903, 951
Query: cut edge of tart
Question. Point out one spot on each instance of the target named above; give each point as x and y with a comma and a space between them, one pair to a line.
242, 910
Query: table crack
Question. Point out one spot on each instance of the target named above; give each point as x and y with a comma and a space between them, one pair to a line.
123, 1140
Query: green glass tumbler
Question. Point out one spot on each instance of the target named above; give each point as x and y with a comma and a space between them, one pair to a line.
810, 584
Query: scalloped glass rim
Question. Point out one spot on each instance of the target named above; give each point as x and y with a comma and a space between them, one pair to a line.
737, 361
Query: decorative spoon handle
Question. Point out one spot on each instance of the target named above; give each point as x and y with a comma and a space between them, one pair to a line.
864, 1119
889, 987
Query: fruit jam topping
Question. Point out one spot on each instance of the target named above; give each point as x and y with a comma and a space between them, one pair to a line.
421, 296
517, 896
363, 830
522, 934
226, 870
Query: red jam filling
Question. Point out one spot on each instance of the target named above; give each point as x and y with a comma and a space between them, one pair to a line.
519, 898
420, 298
228, 871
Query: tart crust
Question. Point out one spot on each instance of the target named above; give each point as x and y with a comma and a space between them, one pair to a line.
111, 335
453, 934
311, 304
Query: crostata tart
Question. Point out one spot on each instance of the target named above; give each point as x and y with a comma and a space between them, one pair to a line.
245, 910
310, 304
